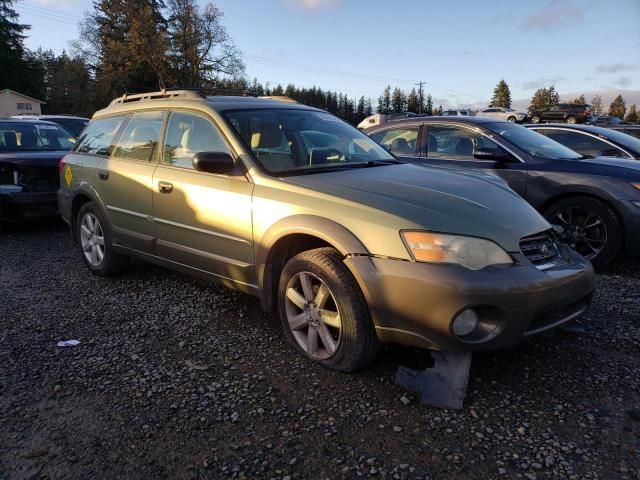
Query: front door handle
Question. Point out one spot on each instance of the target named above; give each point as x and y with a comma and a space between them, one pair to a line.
165, 187
103, 174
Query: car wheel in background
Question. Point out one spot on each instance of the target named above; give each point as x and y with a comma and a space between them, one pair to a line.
590, 226
535, 119
94, 239
511, 119
323, 312
571, 119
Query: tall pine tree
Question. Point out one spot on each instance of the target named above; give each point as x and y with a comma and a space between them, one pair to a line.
501, 95
617, 107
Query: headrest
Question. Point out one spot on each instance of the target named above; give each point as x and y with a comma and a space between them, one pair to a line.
269, 136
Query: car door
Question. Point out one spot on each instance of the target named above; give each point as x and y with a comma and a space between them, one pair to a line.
583, 142
454, 146
203, 220
401, 141
124, 181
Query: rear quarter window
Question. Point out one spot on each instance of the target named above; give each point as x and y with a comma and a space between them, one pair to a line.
100, 136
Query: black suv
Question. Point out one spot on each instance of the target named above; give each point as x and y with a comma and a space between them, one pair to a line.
563, 112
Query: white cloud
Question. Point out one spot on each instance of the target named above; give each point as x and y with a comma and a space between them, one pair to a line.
313, 5
553, 16
542, 82
614, 67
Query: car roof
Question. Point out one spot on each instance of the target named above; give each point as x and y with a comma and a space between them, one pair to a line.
467, 120
30, 120
568, 126
224, 103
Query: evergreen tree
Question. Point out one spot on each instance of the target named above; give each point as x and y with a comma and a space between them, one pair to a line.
596, 105
580, 100
429, 105
617, 107
553, 97
368, 110
413, 101
501, 95
544, 98
398, 101
438, 111
384, 101
632, 115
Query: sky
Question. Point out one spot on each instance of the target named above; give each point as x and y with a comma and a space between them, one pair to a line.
459, 48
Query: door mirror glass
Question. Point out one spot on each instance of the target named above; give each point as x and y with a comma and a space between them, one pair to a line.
492, 154
214, 162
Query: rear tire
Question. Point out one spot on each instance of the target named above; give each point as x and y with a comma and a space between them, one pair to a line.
603, 232
94, 240
511, 119
535, 119
323, 312
571, 120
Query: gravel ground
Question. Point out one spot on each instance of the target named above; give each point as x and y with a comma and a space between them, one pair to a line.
177, 379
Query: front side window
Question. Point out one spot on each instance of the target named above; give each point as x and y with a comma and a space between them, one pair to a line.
188, 134
100, 135
456, 143
139, 140
535, 144
293, 141
28, 136
399, 141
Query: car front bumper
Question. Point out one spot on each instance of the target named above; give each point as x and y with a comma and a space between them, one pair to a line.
24, 206
415, 303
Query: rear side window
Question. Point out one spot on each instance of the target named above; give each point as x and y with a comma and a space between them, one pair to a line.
582, 143
188, 134
100, 135
139, 140
455, 143
399, 141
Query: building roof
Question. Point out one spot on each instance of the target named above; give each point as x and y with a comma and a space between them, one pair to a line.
6, 90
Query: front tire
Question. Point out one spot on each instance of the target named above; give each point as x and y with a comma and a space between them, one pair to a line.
94, 239
591, 227
571, 120
323, 312
535, 119
511, 119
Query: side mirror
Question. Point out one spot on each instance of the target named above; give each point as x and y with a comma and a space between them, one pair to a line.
492, 154
213, 162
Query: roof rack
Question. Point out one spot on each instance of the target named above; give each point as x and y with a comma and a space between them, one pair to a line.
280, 98
162, 94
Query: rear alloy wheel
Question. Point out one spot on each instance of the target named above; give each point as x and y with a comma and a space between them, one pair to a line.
323, 312
589, 226
511, 119
535, 119
571, 120
94, 236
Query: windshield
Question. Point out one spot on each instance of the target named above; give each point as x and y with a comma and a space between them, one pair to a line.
30, 136
73, 125
623, 139
533, 143
304, 141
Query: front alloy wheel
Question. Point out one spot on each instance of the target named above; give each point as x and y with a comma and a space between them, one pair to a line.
313, 315
583, 230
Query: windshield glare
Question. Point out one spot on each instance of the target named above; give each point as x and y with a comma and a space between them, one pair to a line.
533, 143
27, 136
287, 140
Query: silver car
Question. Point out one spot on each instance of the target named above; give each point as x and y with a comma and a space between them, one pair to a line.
500, 113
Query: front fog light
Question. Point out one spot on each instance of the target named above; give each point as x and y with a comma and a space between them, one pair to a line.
465, 323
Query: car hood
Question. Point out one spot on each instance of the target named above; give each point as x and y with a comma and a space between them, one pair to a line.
33, 159
436, 199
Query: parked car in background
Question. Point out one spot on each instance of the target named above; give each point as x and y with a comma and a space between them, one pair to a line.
456, 113
499, 113
291, 204
591, 141
563, 112
380, 118
595, 201
606, 121
29, 156
633, 130
75, 125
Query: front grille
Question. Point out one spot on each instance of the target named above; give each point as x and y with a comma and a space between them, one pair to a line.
541, 250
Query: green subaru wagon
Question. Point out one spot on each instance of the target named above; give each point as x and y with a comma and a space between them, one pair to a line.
350, 246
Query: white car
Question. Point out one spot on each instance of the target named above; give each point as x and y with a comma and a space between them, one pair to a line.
499, 113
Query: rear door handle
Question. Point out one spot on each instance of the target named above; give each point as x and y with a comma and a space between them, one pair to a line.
165, 187
103, 174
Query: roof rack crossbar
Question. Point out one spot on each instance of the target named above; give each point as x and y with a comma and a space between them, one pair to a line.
162, 94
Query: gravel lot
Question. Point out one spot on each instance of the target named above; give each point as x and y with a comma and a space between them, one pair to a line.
178, 379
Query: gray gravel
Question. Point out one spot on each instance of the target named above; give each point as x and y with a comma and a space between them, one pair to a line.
178, 379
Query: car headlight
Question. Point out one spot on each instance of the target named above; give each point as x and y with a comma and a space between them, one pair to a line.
469, 252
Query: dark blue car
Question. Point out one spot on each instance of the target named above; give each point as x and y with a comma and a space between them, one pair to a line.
595, 202
30, 152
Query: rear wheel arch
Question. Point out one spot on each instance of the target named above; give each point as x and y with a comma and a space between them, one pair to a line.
81, 197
